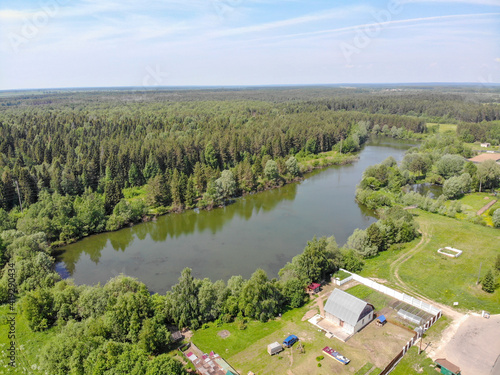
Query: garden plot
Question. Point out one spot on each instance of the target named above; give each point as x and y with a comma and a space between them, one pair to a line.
450, 252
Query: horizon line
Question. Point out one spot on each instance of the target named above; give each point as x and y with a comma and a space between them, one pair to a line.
241, 86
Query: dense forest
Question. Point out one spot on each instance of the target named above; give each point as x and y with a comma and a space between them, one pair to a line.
77, 163
74, 158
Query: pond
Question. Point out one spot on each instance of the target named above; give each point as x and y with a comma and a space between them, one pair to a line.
263, 230
433, 190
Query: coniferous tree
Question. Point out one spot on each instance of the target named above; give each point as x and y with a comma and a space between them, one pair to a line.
27, 187
135, 176
488, 284
112, 195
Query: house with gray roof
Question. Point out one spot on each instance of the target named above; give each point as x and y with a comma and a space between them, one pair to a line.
347, 311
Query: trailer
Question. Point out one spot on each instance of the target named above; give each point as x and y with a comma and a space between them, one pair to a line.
274, 348
290, 340
336, 355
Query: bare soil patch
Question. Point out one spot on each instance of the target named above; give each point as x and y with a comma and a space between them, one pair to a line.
224, 333
308, 315
473, 344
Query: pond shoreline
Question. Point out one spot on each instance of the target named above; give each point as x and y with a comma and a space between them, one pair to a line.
262, 230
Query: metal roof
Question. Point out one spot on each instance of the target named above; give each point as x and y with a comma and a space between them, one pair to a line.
345, 306
448, 365
483, 157
275, 344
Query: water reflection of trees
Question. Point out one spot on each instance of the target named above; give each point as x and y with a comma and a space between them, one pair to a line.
177, 225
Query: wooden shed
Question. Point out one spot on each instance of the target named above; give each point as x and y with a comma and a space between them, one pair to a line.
447, 367
313, 287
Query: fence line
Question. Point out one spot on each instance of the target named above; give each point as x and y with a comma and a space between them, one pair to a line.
409, 344
395, 294
342, 282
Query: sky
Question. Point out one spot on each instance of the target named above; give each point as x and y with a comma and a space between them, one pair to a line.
107, 43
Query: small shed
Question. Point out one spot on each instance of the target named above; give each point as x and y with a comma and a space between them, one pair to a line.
486, 144
274, 348
447, 367
314, 287
381, 320
177, 335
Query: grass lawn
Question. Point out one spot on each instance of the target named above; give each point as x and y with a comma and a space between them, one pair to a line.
363, 370
474, 202
28, 345
477, 146
413, 363
341, 275
440, 278
443, 128
377, 299
246, 350
207, 339
134, 193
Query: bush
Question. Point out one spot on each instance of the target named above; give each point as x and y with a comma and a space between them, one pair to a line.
320, 358
319, 364
227, 318
496, 218
241, 325
125, 213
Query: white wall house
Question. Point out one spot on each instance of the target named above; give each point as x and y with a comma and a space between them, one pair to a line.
347, 311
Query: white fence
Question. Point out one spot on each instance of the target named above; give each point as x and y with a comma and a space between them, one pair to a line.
394, 294
456, 251
342, 282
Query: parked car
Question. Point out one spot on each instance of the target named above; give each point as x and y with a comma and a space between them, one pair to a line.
290, 340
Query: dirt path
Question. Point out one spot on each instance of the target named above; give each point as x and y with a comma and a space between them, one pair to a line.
486, 207
470, 341
395, 266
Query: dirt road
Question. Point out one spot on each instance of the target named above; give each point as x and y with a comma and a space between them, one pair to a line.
470, 341
474, 346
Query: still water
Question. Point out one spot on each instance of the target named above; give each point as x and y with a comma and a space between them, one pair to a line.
261, 230
434, 191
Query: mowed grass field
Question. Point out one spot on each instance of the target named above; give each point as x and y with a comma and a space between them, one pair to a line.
440, 278
246, 350
443, 128
28, 345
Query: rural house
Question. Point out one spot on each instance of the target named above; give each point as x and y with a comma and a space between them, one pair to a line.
347, 311
486, 156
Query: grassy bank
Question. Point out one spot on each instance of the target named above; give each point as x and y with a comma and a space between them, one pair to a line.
440, 278
324, 159
28, 345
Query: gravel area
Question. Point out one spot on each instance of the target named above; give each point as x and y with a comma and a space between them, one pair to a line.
474, 346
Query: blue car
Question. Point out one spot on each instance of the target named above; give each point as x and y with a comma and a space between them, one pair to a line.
290, 340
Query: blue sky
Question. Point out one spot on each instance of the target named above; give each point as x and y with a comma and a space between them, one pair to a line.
102, 43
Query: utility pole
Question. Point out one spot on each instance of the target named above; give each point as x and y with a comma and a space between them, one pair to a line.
479, 274
19, 196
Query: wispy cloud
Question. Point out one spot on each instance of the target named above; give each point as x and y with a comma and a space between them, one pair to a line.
109, 42
337, 13
406, 23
